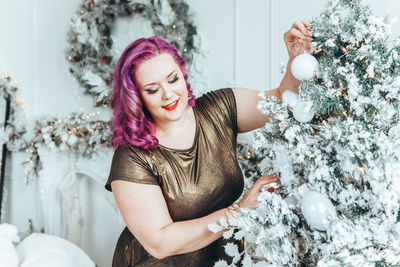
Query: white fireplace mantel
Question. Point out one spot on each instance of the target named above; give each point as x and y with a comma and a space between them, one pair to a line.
59, 166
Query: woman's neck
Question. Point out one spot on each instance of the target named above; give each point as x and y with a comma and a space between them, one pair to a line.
172, 128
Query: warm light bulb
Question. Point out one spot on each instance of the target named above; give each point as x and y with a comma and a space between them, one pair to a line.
361, 169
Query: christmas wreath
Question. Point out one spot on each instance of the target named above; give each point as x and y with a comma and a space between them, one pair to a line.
90, 54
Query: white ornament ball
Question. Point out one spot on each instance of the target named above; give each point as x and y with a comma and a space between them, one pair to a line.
290, 98
318, 210
303, 111
304, 66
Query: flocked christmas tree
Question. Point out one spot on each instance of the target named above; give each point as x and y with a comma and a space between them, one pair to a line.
337, 147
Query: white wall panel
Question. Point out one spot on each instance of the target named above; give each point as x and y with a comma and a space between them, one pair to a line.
16, 27
215, 24
56, 94
252, 43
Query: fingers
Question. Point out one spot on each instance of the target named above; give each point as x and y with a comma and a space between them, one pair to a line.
302, 26
250, 199
306, 23
298, 39
297, 33
264, 180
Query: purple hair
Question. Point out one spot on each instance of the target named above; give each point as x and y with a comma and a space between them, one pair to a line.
131, 123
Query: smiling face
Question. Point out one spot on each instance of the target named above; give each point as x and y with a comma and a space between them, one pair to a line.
162, 87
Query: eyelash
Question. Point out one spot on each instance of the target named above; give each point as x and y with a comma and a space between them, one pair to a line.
174, 79
152, 91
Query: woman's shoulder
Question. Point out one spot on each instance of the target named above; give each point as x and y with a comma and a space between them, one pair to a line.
132, 152
216, 93
216, 96
219, 107
132, 156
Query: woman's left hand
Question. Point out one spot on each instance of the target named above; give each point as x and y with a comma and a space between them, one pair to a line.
298, 38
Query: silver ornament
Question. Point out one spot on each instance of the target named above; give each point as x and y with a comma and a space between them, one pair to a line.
303, 111
318, 210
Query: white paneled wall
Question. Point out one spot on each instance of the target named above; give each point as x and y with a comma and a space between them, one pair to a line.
215, 24
244, 44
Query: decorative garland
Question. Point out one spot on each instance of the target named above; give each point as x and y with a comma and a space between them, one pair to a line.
77, 134
90, 55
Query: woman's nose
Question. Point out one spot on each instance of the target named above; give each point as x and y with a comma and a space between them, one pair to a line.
167, 93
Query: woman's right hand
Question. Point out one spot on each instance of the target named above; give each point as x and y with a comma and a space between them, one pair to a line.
249, 199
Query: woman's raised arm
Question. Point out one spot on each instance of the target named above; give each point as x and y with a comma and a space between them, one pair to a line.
248, 116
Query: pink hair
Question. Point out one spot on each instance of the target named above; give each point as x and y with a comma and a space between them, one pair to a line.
131, 123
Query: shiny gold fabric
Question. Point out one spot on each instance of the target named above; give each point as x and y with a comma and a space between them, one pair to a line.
195, 181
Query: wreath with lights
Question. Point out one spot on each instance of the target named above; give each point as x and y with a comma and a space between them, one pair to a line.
90, 54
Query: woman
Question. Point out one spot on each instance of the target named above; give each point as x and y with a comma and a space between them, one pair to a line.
174, 170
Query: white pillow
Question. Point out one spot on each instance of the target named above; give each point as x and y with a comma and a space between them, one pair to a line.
42, 250
8, 255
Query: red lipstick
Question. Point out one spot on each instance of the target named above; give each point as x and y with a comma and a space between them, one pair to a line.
172, 106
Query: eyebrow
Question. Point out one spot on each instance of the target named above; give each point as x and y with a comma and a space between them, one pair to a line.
167, 77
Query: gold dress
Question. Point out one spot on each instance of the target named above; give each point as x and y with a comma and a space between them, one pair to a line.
195, 181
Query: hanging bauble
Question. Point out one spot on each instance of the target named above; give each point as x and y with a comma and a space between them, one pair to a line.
303, 111
290, 98
318, 210
304, 66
